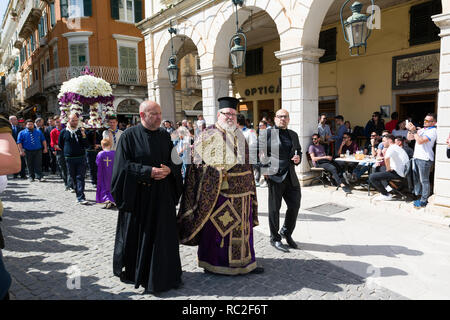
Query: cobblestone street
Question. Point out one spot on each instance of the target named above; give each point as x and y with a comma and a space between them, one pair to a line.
49, 237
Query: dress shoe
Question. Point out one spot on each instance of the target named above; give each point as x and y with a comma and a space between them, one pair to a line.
258, 270
279, 246
289, 240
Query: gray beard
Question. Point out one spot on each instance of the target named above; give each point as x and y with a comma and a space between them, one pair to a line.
227, 127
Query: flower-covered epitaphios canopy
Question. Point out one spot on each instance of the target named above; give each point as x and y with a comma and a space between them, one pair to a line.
86, 90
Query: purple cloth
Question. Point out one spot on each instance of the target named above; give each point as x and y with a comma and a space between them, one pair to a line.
105, 163
209, 249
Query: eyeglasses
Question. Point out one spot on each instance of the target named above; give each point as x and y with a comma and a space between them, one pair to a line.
283, 117
373, 135
315, 139
228, 114
427, 121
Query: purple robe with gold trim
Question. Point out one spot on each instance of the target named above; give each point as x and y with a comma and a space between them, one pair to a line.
218, 211
105, 164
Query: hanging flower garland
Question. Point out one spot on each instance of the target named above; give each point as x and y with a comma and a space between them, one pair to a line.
86, 90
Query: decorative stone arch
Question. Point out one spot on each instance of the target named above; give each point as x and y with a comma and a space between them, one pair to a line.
163, 49
123, 105
198, 106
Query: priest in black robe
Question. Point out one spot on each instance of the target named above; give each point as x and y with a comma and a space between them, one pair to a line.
147, 185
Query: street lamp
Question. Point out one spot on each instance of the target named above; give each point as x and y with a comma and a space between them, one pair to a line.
355, 29
237, 51
172, 69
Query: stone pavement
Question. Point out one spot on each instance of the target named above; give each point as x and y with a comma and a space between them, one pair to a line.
49, 238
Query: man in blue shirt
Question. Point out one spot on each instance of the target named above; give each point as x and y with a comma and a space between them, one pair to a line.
31, 142
340, 133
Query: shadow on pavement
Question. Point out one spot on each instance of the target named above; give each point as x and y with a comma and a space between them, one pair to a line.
307, 217
281, 277
10, 195
361, 250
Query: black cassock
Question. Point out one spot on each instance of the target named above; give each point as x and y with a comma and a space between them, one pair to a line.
146, 250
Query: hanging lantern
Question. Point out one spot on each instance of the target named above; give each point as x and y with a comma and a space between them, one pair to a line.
355, 28
237, 50
172, 69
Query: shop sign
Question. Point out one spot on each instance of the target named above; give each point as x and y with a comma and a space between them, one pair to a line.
264, 89
416, 70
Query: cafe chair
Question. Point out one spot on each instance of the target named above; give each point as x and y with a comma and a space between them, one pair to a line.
324, 176
399, 187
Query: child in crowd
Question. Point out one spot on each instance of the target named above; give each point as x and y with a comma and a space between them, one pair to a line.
105, 163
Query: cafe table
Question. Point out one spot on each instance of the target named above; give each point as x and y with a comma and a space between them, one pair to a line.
368, 160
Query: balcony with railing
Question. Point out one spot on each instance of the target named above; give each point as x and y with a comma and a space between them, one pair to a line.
194, 82
30, 18
33, 89
11, 80
113, 75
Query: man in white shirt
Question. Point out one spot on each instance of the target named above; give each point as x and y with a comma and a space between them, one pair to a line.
113, 133
395, 160
250, 137
423, 157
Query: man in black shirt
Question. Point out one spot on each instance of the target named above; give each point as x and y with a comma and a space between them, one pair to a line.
282, 179
73, 142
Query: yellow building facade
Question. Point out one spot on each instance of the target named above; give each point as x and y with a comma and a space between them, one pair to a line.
354, 86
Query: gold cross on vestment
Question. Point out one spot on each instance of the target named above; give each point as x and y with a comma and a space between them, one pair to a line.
226, 219
107, 160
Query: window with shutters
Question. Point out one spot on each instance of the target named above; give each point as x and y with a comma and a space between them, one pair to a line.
327, 41
75, 8
422, 28
126, 10
52, 14
78, 54
55, 57
254, 62
32, 44
128, 64
22, 55
44, 24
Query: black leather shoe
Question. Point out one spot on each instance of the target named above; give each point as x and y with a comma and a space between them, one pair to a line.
289, 240
279, 246
257, 270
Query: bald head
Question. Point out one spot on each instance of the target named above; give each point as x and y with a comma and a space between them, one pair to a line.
13, 120
282, 119
150, 113
73, 120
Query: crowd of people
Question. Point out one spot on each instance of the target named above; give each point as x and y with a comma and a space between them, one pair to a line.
401, 150
136, 171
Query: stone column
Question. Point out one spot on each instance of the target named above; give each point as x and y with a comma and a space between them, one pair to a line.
163, 93
300, 96
215, 84
442, 165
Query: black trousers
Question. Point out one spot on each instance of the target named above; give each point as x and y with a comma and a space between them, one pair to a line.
91, 156
333, 167
380, 180
53, 161
23, 167
63, 170
292, 196
34, 163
